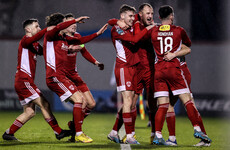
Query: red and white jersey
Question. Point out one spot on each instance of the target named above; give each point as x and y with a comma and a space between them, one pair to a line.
123, 41
28, 50
56, 49
72, 57
168, 38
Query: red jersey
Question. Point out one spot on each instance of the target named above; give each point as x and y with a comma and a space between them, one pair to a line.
168, 38
28, 50
56, 49
123, 41
146, 51
72, 57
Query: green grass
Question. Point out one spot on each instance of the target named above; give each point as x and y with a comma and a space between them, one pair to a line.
36, 134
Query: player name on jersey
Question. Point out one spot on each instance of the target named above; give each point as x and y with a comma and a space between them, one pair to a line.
165, 33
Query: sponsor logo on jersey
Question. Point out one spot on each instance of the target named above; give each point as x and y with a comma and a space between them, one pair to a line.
64, 47
128, 83
120, 31
71, 87
164, 28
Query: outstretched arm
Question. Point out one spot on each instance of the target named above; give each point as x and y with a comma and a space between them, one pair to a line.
85, 39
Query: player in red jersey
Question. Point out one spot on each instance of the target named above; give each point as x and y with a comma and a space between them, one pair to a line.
28, 93
56, 47
168, 75
72, 74
125, 68
145, 69
170, 116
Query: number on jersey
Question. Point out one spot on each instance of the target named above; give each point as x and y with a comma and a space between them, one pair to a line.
166, 44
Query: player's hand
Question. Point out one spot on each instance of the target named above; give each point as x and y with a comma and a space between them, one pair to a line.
81, 19
102, 30
150, 26
169, 56
100, 65
50, 28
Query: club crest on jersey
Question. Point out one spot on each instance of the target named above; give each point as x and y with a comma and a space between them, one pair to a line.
164, 28
128, 83
71, 87
120, 31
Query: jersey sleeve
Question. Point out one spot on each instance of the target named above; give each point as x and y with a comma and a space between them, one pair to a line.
185, 39
119, 34
55, 31
85, 53
29, 40
112, 22
81, 40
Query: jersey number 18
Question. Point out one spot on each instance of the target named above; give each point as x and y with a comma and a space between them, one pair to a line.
166, 44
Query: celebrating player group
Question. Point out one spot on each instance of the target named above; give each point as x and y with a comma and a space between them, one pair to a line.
148, 55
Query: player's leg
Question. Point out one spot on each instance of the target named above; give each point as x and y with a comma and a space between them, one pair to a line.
171, 120
163, 104
127, 116
193, 116
113, 135
90, 103
28, 113
77, 98
50, 118
134, 116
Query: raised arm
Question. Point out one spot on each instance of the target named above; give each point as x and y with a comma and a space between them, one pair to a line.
29, 40
85, 39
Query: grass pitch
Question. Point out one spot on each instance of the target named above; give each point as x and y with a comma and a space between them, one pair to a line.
37, 134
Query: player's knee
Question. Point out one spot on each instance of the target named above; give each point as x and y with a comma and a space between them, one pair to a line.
91, 104
30, 113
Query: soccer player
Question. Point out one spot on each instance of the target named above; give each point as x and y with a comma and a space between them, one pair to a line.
168, 75
72, 74
170, 116
28, 93
125, 68
56, 47
145, 69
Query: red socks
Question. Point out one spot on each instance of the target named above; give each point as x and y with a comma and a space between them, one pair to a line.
54, 125
77, 114
192, 113
127, 118
134, 116
15, 126
171, 122
119, 121
160, 116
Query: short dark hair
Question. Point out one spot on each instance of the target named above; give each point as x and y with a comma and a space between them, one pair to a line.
54, 19
69, 15
143, 5
28, 22
165, 11
126, 7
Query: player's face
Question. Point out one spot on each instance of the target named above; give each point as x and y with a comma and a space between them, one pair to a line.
73, 28
34, 28
146, 15
128, 17
172, 17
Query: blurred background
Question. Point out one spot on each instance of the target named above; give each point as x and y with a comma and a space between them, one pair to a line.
206, 22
